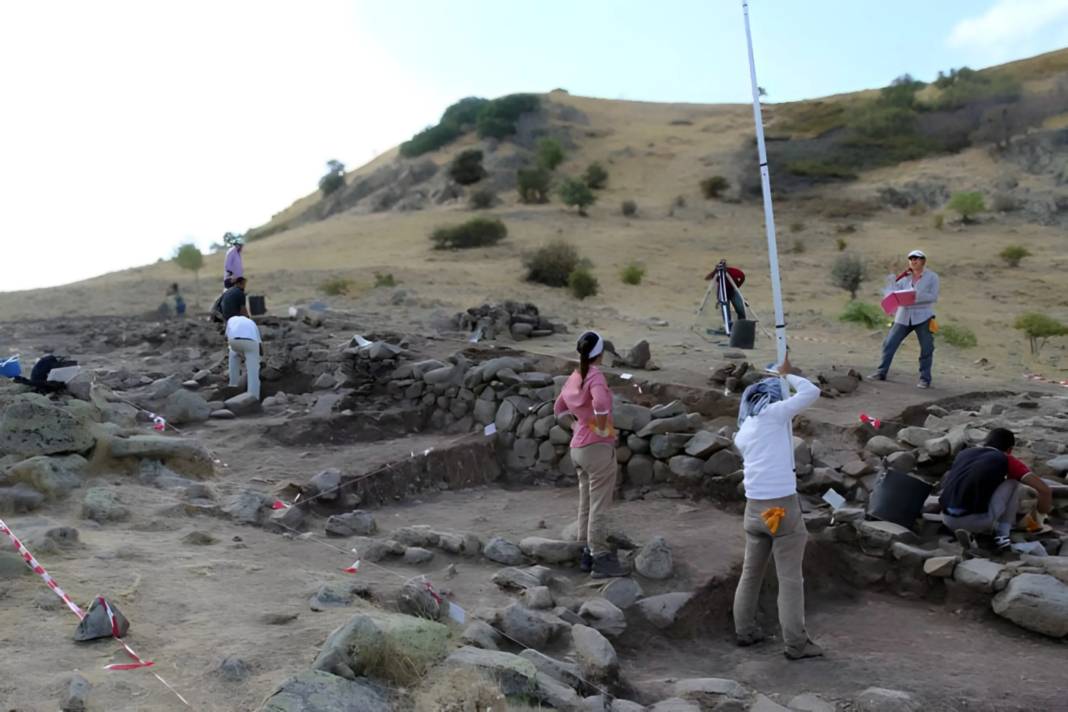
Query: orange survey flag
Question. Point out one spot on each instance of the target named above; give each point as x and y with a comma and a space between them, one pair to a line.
772, 517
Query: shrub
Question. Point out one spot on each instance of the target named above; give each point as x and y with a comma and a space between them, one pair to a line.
841, 244
917, 209
629, 208
482, 199
595, 176
465, 112
334, 178
476, 232
968, 204
1013, 254
938, 221
430, 139
1039, 328
960, 336
712, 187
848, 272
533, 184
552, 263
847, 229
467, 168
550, 153
574, 192
633, 273
869, 315
820, 169
497, 119
336, 286
582, 283
797, 226
385, 280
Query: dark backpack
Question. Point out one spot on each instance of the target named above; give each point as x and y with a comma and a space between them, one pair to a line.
38, 379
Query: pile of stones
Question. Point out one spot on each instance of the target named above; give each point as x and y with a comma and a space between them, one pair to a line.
517, 320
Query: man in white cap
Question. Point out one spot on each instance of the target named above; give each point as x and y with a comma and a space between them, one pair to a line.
915, 317
233, 267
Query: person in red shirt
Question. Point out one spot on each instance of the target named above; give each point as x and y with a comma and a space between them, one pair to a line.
981, 491
734, 297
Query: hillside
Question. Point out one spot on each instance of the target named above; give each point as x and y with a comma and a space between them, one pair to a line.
656, 155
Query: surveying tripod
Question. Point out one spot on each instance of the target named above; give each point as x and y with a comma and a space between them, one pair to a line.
720, 279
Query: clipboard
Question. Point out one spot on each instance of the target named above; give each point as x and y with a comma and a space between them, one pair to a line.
900, 298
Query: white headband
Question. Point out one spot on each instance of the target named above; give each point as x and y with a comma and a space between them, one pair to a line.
598, 348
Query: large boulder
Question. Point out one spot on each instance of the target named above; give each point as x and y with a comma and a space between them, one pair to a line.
30, 425
723, 463
102, 505
628, 416
503, 552
916, 437
601, 614
516, 676
185, 456
978, 573
525, 626
654, 560
317, 691
704, 443
550, 551
1038, 602
365, 644
882, 446
53, 476
596, 657
662, 611
184, 406
675, 424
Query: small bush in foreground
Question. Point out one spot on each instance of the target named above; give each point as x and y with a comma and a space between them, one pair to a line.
632, 273
968, 205
336, 286
848, 272
960, 336
712, 187
582, 283
482, 199
1013, 254
863, 313
1039, 328
552, 263
385, 280
595, 176
476, 232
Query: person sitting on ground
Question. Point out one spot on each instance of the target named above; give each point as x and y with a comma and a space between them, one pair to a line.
233, 302
233, 267
773, 522
981, 491
737, 278
588, 400
243, 337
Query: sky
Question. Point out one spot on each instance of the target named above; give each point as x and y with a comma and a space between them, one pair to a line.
128, 128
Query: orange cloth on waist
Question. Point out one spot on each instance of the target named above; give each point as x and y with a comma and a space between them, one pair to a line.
772, 518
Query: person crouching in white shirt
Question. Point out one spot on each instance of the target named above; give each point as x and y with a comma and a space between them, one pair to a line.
773, 522
243, 336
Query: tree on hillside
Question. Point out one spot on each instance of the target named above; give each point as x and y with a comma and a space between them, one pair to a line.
968, 204
230, 238
575, 192
189, 257
334, 178
550, 153
467, 167
848, 272
533, 185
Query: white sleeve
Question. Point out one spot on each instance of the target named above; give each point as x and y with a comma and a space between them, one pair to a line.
806, 394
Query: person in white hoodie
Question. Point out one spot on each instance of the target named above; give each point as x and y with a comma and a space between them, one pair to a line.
773, 522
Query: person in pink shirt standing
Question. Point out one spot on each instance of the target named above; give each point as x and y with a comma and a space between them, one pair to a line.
588, 400
233, 267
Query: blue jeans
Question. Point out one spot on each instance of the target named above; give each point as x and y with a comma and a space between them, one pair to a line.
893, 340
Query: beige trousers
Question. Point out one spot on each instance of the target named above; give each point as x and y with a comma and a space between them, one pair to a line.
787, 545
596, 465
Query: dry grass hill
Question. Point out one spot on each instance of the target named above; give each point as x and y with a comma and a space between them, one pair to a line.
868, 173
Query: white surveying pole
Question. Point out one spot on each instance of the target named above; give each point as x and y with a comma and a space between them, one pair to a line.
769, 213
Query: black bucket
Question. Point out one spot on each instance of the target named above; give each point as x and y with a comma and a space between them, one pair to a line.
257, 305
743, 333
898, 497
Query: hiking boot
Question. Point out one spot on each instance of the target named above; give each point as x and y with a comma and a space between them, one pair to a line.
606, 565
967, 543
586, 561
877, 376
811, 650
744, 641
924, 384
1002, 543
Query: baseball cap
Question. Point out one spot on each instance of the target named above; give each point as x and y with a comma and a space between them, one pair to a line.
918, 253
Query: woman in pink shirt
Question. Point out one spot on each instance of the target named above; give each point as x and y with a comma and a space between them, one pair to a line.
587, 398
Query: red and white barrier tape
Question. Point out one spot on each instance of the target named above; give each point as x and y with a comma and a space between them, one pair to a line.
36, 567
1042, 379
